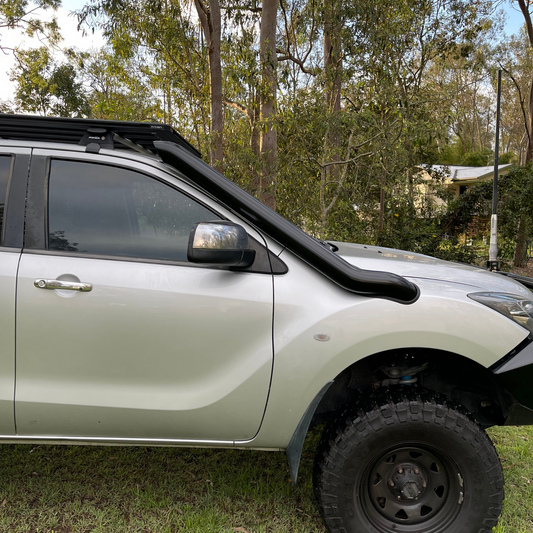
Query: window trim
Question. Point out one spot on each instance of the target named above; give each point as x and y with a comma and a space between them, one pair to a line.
11, 238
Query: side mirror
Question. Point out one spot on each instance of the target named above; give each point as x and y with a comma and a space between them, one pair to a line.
219, 243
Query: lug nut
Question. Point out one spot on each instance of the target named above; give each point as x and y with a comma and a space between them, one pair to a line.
400, 470
424, 484
416, 471
391, 483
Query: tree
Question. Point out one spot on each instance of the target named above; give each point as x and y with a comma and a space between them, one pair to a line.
18, 14
115, 87
328, 108
526, 152
392, 48
47, 87
209, 14
269, 136
525, 7
169, 53
515, 57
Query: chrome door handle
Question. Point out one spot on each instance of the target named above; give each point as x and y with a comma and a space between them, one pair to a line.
53, 284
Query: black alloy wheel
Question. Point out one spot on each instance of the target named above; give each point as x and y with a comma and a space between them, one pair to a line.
408, 462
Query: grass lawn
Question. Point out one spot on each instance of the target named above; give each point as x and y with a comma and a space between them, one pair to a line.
65, 489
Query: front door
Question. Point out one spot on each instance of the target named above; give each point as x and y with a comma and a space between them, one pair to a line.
153, 347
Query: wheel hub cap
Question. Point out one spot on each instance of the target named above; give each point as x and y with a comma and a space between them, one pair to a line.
407, 481
412, 485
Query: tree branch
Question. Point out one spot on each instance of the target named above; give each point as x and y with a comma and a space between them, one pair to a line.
243, 109
345, 162
240, 8
289, 57
524, 7
522, 100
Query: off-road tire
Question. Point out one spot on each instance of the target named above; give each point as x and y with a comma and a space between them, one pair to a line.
407, 461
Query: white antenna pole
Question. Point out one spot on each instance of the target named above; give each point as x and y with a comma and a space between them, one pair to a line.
492, 263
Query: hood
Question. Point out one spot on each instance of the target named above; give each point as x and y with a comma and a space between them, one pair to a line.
413, 266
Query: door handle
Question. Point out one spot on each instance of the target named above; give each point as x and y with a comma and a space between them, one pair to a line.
53, 284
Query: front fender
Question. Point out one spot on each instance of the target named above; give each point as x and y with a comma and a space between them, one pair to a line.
320, 333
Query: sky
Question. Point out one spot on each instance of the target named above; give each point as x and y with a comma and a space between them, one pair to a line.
515, 19
73, 38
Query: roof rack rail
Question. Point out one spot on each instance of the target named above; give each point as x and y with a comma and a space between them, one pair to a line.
94, 134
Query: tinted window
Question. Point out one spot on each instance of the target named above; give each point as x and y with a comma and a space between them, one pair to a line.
5, 172
97, 209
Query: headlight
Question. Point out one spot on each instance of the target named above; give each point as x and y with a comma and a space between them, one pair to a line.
515, 307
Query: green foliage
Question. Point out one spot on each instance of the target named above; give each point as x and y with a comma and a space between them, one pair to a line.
47, 87
507, 158
515, 202
454, 154
115, 92
19, 14
163, 50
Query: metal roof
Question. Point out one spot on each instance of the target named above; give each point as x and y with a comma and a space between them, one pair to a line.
460, 173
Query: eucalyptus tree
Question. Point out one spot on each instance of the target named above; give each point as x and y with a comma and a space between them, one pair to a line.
21, 15
165, 38
46, 86
116, 87
525, 99
515, 57
526, 7
209, 15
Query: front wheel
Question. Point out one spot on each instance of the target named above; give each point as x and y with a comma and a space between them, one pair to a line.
408, 462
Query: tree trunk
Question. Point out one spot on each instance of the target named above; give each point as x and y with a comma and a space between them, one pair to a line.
524, 7
254, 117
332, 92
211, 24
381, 219
268, 139
520, 252
529, 148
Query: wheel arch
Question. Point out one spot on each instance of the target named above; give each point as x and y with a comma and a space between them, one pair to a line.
455, 376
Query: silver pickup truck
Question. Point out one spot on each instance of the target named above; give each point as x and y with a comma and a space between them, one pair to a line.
147, 300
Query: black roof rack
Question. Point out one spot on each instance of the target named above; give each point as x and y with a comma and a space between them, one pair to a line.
94, 134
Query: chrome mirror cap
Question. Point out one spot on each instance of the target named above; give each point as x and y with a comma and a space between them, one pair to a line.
219, 243
219, 236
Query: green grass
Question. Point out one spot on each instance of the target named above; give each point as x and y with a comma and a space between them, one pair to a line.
65, 489
515, 448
